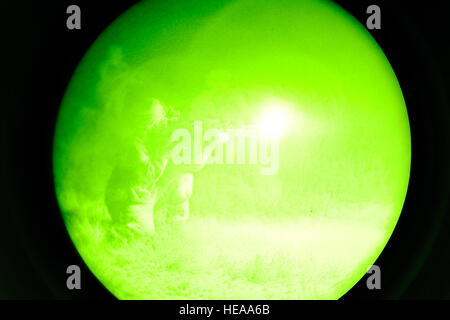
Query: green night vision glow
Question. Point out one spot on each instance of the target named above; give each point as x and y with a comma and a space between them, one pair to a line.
234, 149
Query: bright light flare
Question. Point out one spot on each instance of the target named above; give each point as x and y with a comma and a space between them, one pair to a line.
274, 120
224, 137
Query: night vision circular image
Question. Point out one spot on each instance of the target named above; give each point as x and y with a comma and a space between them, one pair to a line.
235, 149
